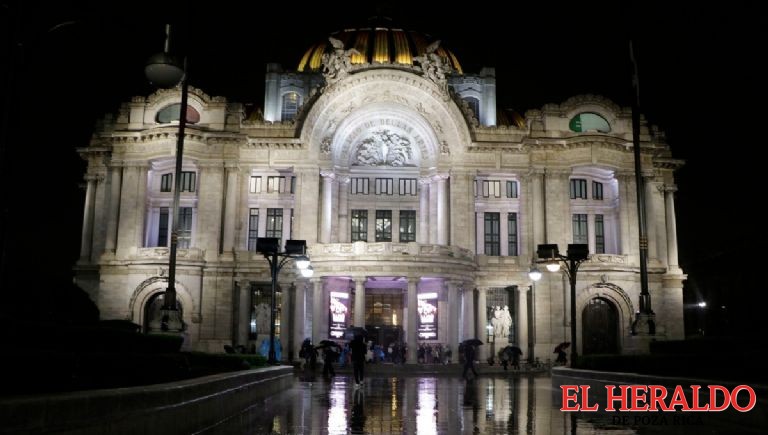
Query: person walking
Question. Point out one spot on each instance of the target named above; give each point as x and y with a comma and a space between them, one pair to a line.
469, 360
330, 355
358, 349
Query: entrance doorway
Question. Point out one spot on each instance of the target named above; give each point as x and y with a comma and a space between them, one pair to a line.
384, 310
153, 315
600, 321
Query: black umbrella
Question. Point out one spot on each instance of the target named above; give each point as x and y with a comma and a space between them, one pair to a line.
562, 346
327, 343
473, 342
513, 350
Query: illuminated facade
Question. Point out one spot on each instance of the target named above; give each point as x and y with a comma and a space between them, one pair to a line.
421, 205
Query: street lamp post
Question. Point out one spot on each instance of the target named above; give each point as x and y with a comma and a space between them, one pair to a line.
270, 248
164, 71
576, 254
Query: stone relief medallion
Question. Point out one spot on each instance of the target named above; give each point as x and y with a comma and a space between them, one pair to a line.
384, 148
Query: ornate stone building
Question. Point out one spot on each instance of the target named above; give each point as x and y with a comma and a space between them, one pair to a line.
420, 202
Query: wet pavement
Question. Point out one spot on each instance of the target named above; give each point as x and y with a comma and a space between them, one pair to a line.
446, 404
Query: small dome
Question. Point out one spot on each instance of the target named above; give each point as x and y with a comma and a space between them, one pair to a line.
378, 46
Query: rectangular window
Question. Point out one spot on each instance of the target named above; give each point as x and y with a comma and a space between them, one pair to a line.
512, 234
599, 234
407, 226
275, 184
492, 234
275, 224
255, 185
358, 186
474, 186
597, 190
188, 181
511, 189
293, 184
407, 186
253, 229
185, 226
359, 225
162, 228
580, 229
578, 188
492, 188
384, 186
383, 225
166, 183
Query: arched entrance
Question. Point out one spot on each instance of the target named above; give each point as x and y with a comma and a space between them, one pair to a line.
600, 322
153, 315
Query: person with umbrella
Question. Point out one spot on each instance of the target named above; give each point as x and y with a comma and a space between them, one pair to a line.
469, 356
510, 353
330, 354
358, 349
560, 351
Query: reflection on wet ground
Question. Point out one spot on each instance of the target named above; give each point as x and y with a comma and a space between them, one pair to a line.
445, 405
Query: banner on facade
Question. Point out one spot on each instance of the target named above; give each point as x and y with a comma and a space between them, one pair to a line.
427, 316
337, 315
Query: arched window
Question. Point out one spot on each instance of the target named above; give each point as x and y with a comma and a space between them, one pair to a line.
586, 121
291, 103
474, 104
170, 113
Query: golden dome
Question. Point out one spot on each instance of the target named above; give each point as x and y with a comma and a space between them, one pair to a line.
378, 45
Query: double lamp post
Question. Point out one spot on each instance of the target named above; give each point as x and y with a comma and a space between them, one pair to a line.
550, 256
294, 250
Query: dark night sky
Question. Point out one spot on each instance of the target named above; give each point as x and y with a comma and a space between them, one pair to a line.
698, 72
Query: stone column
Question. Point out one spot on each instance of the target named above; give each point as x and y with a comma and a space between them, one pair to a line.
469, 314
306, 204
327, 207
649, 189
286, 225
132, 200
209, 209
669, 198
521, 314
482, 323
115, 182
412, 313
360, 301
591, 232
230, 208
503, 233
286, 323
625, 203
299, 314
443, 209
433, 223
558, 208
86, 236
318, 304
462, 209
423, 235
452, 334
524, 221
344, 228
242, 214
480, 233
659, 222
244, 307
537, 208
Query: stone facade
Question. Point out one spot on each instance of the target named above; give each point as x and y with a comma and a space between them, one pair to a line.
402, 193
